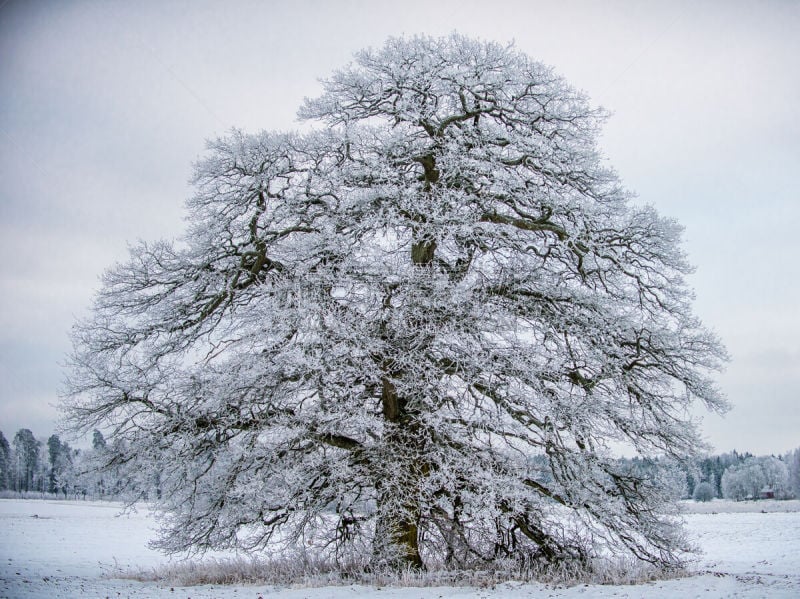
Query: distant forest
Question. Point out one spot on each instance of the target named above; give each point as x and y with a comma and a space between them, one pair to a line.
29, 467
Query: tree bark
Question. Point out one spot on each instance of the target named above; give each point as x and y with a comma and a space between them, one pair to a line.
422, 252
399, 516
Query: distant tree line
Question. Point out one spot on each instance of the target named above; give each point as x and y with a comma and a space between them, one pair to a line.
735, 476
27, 465
741, 476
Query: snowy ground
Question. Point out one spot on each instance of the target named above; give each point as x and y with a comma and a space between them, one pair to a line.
71, 549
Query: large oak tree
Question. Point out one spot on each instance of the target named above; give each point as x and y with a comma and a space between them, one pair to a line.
416, 334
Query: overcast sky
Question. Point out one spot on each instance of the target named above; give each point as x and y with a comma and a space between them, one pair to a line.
104, 106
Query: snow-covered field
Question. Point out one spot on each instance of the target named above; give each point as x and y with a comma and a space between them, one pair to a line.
73, 549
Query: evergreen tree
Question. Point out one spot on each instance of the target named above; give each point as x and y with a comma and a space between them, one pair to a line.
98, 441
793, 465
60, 461
26, 452
6, 464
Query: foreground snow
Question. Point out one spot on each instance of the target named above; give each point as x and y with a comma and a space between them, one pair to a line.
73, 549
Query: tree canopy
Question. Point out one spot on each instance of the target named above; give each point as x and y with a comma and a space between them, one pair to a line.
413, 334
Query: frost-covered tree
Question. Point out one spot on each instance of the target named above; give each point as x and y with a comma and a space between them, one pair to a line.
27, 466
6, 463
106, 472
743, 481
792, 460
704, 491
776, 476
60, 462
748, 479
413, 334
712, 481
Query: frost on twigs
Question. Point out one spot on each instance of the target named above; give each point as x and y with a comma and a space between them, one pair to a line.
411, 336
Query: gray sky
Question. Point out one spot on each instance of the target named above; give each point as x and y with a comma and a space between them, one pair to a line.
104, 106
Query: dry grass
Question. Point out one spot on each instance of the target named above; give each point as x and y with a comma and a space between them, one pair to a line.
306, 572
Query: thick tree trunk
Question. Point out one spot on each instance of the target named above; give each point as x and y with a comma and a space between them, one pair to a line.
398, 507
422, 252
400, 515
398, 532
